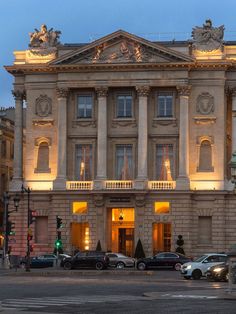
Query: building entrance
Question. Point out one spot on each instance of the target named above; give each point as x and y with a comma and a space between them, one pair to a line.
161, 237
121, 230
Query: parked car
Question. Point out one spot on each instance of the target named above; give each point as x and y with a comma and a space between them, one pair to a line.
36, 262
86, 259
120, 260
219, 272
198, 267
163, 260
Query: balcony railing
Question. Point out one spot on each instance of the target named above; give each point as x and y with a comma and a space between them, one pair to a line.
79, 185
161, 185
119, 185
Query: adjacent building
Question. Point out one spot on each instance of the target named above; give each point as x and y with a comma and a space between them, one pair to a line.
126, 139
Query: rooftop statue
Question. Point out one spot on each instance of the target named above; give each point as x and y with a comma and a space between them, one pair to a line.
44, 38
207, 37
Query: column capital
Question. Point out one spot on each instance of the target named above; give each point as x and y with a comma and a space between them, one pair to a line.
230, 91
143, 91
62, 92
102, 91
19, 94
183, 90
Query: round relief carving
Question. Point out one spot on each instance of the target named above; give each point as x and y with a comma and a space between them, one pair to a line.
205, 103
43, 106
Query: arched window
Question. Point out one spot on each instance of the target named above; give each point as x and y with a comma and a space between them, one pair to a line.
205, 156
43, 157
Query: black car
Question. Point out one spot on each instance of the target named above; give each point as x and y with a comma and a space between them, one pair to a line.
86, 259
37, 262
219, 272
163, 260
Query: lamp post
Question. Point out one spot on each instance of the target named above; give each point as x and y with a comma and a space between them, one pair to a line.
27, 190
6, 200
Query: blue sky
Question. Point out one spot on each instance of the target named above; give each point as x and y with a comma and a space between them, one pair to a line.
84, 21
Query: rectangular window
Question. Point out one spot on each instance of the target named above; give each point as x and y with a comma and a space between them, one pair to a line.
204, 229
85, 104
80, 236
124, 162
124, 106
162, 207
41, 230
80, 207
164, 162
165, 105
84, 162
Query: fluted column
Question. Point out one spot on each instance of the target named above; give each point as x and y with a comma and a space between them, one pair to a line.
16, 183
101, 136
60, 182
143, 92
182, 182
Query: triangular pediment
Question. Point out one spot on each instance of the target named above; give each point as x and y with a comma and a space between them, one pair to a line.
122, 47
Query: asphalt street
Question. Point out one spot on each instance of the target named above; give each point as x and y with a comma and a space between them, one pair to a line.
161, 291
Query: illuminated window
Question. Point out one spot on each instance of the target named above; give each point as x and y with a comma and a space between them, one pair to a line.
164, 162
124, 162
79, 207
80, 237
84, 162
85, 104
124, 106
162, 207
165, 105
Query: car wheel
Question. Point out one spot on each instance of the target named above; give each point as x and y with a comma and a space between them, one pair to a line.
196, 274
187, 277
67, 266
99, 266
177, 266
141, 266
120, 265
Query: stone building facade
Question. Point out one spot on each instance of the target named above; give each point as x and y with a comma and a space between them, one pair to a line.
126, 139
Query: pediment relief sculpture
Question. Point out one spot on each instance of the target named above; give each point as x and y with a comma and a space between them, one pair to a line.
44, 41
207, 37
205, 104
43, 106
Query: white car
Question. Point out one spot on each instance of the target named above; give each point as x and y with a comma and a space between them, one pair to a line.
198, 267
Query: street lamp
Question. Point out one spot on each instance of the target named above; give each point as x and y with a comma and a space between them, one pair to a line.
27, 190
6, 200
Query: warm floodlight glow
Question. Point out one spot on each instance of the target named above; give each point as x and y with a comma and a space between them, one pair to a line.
162, 207
79, 207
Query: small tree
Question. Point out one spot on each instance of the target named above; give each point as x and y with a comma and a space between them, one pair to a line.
180, 243
139, 252
99, 248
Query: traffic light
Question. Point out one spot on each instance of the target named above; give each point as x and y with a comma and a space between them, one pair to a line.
59, 222
10, 228
32, 215
30, 234
58, 244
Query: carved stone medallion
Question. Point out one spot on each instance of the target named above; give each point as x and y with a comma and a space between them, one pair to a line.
205, 103
43, 106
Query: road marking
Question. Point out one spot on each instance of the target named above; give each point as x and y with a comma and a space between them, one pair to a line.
190, 296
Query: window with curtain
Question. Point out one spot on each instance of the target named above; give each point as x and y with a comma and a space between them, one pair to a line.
124, 162
41, 229
165, 105
85, 104
84, 162
124, 106
164, 162
43, 157
205, 156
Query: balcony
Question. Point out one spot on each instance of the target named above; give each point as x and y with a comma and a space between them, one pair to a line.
79, 185
161, 185
119, 184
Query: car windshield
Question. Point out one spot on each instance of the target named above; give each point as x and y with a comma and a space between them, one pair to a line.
200, 259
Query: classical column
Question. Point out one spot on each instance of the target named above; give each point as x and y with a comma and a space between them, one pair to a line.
182, 182
16, 183
102, 134
60, 182
143, 92
233, 93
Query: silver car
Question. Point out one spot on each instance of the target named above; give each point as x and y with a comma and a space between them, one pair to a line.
120, 261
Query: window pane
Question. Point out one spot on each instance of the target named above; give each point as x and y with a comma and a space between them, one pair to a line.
124, 106
84, 106
124, 162
164, 162
165, 105
84, 162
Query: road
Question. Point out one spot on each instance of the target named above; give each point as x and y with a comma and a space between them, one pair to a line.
161, 291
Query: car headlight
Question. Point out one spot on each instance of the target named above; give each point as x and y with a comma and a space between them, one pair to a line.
218, 269
189, 267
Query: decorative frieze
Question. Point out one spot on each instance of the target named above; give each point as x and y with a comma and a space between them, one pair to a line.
143, 91
184, 90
